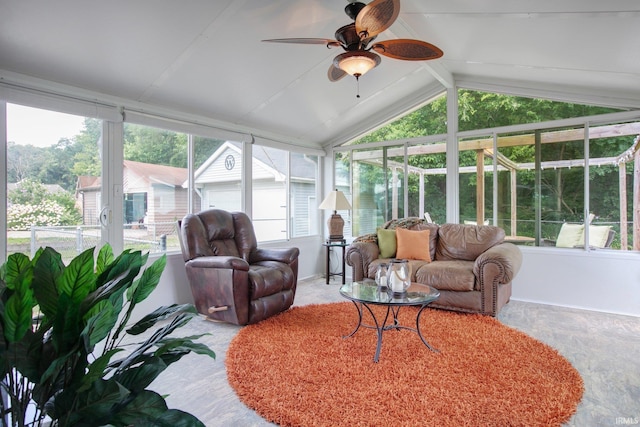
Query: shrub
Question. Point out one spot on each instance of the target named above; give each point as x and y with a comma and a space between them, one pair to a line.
21, 217
31, 204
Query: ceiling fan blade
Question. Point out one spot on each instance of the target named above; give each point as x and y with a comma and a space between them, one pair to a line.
335, 73
408, 49
376, 17
326, 42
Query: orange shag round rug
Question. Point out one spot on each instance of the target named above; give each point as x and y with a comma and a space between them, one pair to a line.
296, 369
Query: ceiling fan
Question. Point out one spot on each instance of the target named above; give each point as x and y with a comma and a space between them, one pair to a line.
357, 39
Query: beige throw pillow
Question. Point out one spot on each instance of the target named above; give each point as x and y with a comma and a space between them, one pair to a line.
598, 235
570, 235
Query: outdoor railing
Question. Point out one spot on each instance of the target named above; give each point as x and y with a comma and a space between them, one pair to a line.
72, 240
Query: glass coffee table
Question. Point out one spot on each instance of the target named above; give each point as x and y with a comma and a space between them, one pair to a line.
367, 294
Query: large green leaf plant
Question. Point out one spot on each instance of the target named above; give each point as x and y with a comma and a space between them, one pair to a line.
68, 355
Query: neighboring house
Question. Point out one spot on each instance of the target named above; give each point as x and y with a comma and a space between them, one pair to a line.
88, 198
154, 191
218, 183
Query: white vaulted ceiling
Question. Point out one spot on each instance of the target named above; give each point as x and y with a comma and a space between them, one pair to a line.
205, 58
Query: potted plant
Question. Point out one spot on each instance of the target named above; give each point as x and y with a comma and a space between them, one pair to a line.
67, 354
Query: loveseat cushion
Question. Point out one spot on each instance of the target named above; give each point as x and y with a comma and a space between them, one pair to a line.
466, 242
453, 275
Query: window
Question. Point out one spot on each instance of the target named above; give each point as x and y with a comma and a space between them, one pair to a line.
155, 194
48, 156
218, 174
395, 180
533, 180
516, 191
303, 202
379, 177
428, 181
612, 157
486, 110
475, 162
369, 200
562, 164
135, 208
428, 120
155, 191
270, 187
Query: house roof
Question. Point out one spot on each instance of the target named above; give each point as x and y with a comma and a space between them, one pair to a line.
205, 62
158, 174
153, 174
86, 182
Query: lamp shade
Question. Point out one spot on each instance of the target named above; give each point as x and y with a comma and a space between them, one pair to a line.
335, 201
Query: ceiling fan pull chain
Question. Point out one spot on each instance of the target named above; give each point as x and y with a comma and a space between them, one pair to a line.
357, 87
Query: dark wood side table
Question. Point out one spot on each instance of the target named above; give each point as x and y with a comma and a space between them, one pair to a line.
334, 244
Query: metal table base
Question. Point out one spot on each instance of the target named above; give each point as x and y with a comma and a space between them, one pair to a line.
381, 327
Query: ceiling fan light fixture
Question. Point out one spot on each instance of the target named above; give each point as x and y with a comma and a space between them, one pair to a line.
356, 63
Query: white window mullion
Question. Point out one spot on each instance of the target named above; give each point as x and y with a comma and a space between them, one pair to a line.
112, 215
288, 204
587, 208
405, 206
495, 179
453, 173
247, 179
191, 177
3, 184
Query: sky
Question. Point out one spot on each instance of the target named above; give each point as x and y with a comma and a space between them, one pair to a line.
41, 128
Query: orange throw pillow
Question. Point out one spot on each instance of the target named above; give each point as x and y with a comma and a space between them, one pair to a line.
413, 244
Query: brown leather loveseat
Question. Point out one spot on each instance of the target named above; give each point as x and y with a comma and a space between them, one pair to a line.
471, 265
231, 279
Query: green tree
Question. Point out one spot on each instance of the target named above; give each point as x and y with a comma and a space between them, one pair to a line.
86, 156
156, 146
58, 168
484, 110
204, 148
24, 161
431, 119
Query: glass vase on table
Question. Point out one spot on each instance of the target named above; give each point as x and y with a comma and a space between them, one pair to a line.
381, 275
398, 277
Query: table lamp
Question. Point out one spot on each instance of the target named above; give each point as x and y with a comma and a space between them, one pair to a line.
335, 201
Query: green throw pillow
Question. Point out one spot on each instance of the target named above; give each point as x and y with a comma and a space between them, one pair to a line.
387, 243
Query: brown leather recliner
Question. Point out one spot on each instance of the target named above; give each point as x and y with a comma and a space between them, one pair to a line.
231, 279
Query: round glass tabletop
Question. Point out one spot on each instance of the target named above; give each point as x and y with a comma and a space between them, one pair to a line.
370, 293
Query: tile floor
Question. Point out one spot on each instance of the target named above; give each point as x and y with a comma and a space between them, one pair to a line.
605, 349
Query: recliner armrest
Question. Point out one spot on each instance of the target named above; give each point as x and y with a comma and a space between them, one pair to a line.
231, 262
286, 255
